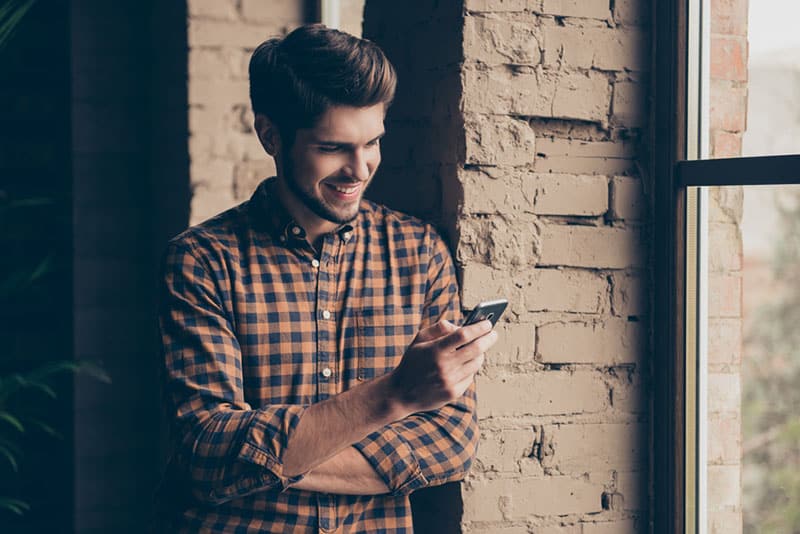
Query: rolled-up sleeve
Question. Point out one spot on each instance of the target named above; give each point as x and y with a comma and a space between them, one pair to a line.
226, 448
438, 446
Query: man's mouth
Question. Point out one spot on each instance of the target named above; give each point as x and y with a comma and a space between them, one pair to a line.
344, 191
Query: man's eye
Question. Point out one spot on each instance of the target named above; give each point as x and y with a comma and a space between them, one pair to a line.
328, 149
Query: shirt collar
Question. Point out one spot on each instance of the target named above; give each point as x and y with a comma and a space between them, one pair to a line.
272, 216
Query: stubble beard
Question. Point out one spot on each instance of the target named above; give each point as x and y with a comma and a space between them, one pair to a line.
315, 203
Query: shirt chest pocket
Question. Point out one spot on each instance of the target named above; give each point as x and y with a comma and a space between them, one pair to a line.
382, 336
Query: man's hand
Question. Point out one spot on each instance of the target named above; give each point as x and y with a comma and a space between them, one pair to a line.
440, 364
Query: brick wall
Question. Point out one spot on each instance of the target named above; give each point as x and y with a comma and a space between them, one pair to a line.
727, 121
525, 144
227, 161
555, 218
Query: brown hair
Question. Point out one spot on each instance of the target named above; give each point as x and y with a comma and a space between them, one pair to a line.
294, 80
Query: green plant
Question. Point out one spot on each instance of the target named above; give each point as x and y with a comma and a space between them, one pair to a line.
18, 278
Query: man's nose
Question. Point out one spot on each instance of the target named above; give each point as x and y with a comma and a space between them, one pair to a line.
359, 165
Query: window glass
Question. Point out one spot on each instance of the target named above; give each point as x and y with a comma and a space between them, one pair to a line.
751, 366
752, 78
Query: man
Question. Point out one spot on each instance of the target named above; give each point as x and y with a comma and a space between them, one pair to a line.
314, 371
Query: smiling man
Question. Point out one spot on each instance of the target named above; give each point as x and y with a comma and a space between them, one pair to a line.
314, 371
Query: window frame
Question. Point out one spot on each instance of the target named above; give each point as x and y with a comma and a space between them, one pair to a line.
678, 98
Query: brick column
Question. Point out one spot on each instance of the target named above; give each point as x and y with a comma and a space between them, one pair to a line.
227, 161
727, 116
529, 116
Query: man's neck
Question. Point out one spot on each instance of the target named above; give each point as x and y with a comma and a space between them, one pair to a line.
314, 225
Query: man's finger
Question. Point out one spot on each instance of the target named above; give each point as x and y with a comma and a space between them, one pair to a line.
435, 331
464, 335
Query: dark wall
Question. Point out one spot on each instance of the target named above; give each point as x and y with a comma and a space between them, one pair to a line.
130, 193
35, 320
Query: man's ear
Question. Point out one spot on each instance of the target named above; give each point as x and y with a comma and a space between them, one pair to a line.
268, 134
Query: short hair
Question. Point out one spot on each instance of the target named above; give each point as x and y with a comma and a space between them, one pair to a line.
294, 80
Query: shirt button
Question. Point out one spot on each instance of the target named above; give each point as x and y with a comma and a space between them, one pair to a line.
346, 236
315, 263
296, 230
327, 372
326, 314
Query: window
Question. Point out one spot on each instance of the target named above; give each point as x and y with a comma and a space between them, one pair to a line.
727, 175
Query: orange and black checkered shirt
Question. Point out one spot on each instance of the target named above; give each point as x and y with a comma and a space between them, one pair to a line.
257, 325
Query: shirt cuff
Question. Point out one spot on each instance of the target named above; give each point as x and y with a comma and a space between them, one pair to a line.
393, 459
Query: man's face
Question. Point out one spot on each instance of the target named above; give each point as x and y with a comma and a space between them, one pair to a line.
330, 165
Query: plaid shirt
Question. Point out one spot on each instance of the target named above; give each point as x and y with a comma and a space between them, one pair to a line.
256, 326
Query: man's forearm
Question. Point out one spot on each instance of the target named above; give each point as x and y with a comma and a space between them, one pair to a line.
328, 427
346, 473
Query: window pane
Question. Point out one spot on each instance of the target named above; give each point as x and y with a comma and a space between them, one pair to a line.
753, 78
752, 362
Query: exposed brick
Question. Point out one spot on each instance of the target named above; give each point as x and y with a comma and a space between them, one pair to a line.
726, 204
724, 487
633, 487
519, 498
726, 144
568, 290
724, 295
725, 247
630, 295
629, 105
495, 41
724, 392
542, 394
729, 58
567, 95
216, 63
624, 526
502, 451
628, 393
564, 194
590, 246
498, 140
248, 174
217, 33
212, 9
498, 242
276, 13
608, 342
728, 107
627, 198
483, 282
211, 172
583, 157
579, 448
536, 290
557, 495
497, 6
490, 190
632, 12
209, 200
724, 439
515, 345
725, 522
611, 49
729, 17
218, 91
724, 341
596, 9
494, 528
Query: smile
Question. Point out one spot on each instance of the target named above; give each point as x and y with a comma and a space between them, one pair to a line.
346, 190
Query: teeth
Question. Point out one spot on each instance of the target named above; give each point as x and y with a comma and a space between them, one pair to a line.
345, 190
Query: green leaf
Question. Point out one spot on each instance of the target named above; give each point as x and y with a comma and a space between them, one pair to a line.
44, 427
14, 505
11, 14
7, 450
11, 420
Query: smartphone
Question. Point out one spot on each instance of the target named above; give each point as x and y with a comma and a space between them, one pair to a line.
488, 309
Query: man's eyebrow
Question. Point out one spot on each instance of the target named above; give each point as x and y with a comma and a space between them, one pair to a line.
342, 143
